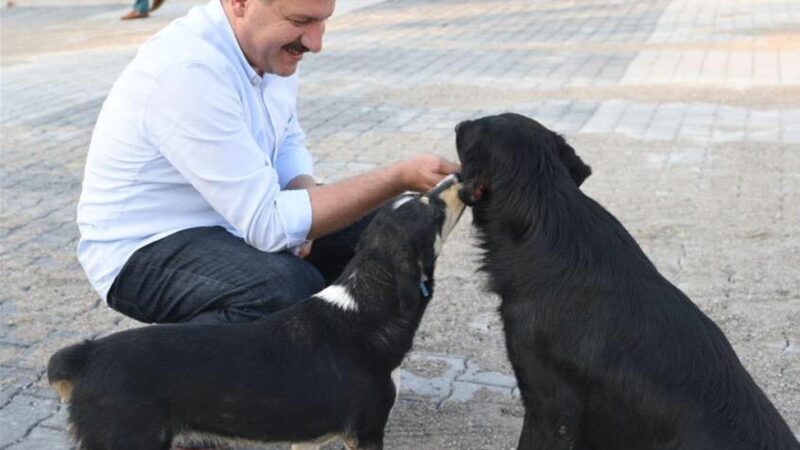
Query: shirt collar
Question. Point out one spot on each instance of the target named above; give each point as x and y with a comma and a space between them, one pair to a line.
217, 15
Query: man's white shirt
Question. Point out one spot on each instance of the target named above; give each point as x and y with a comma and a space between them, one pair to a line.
191, 136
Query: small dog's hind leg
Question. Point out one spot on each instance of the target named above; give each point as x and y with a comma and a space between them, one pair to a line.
365, 443
306, 446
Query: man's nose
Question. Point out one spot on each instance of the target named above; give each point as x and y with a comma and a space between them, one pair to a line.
312, 38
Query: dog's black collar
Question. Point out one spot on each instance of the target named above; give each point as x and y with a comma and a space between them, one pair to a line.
425, 289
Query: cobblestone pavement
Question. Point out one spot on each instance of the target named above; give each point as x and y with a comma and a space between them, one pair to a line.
688, 111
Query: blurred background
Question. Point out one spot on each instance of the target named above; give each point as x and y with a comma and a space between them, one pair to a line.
687, 110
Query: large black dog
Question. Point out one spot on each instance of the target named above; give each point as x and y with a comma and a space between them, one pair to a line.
608, 354
315, 371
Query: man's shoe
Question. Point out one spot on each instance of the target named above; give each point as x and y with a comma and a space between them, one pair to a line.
134, 15
156, 4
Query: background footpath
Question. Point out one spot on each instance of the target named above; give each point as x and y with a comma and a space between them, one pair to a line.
687, 110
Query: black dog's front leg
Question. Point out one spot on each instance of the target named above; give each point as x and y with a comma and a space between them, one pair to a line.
537, 435
552, 412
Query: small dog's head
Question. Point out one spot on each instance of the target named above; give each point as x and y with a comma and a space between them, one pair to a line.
495, 149
410, 233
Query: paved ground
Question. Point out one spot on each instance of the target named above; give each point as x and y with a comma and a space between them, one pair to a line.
688, 111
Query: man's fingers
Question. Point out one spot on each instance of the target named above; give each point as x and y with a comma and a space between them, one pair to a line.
434, 180
449, 167
426, 170
303, 250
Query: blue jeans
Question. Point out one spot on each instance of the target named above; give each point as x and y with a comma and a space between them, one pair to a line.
141, 5
207, 275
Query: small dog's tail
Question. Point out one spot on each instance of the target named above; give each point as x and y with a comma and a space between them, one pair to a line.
66, 367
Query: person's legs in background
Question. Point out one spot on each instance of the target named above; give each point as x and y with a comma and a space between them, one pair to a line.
156, 4
139, 11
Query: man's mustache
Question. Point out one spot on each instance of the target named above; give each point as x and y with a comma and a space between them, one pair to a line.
296, 47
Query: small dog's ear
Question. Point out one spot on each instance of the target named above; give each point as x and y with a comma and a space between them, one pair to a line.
578, 170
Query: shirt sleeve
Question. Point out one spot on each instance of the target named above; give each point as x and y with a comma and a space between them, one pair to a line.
196, 119
293, 158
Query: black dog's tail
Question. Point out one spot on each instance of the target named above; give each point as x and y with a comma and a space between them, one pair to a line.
66, 367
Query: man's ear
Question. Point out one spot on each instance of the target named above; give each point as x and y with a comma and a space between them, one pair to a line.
237, 7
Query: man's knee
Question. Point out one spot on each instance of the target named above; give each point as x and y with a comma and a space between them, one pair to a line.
287, 281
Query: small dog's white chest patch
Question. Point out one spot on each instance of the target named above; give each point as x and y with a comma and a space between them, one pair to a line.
337, 295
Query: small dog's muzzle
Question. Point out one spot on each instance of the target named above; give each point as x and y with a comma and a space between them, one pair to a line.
447, 192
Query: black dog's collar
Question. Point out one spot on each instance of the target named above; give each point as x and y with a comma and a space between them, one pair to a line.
425, 289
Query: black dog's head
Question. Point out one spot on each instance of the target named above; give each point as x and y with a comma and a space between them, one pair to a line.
407, 236
495, 150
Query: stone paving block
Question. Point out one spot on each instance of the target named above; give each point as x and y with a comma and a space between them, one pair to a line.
659, 97
764, 126
740, 68
699, 121
715, 66
790, 126
606, 117
666, 121
790, 66
636, 119
20, 416
690, 65
766, 67
730, 124
41, 438
58, 421
575, 117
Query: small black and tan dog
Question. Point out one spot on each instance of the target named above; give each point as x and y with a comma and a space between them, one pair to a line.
608, 354
317, 371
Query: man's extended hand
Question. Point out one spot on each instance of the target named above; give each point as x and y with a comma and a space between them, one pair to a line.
337, 205
423, 172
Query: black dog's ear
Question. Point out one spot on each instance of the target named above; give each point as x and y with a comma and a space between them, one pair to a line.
578, 170
472, 191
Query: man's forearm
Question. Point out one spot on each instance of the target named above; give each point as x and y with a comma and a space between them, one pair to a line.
337, 205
